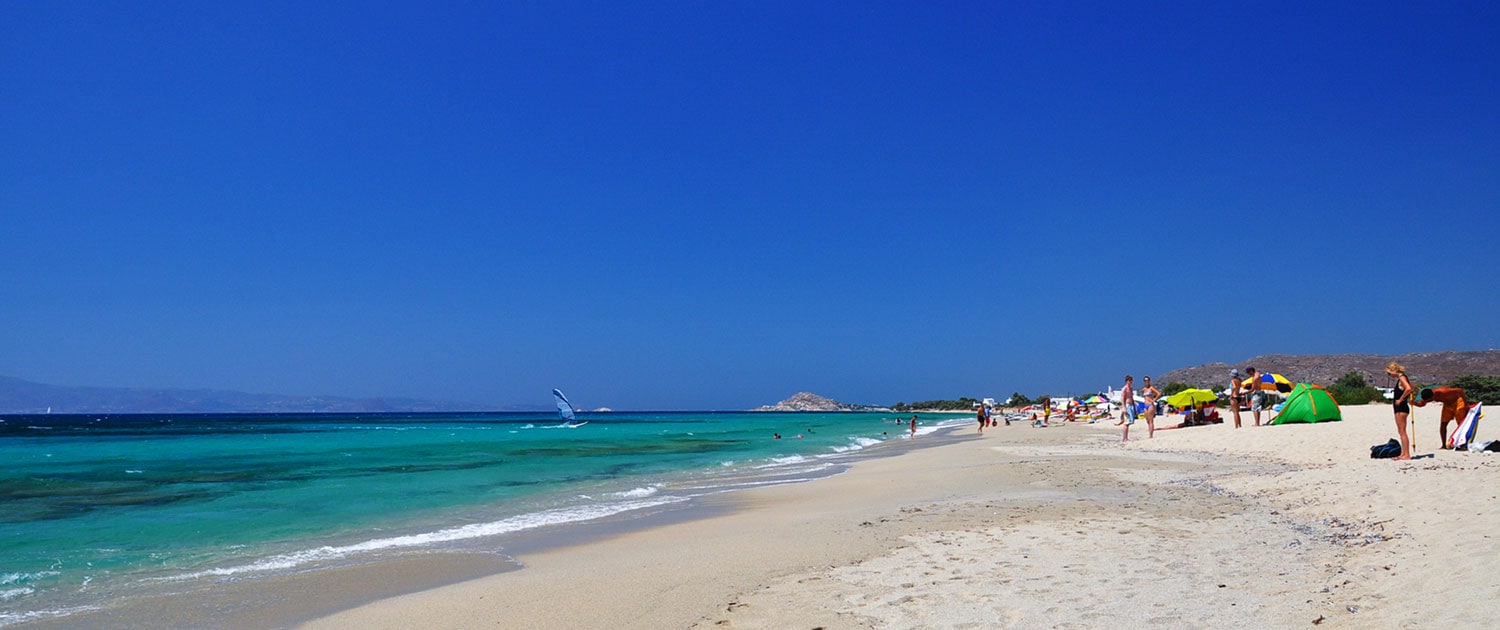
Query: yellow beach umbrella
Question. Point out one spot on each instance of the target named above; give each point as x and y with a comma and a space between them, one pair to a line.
1191, 397
1269, 382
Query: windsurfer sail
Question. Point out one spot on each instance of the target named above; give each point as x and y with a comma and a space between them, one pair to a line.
564, 408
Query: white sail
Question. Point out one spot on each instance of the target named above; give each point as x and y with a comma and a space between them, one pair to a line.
564, 408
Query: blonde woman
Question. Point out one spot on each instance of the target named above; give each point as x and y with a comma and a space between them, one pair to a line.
1401, 404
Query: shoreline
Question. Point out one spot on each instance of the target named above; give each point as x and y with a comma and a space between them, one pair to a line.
1270, 526
322, 588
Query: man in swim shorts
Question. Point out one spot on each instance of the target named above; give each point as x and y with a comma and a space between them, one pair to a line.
1127, 401
1455, 407
1257, 397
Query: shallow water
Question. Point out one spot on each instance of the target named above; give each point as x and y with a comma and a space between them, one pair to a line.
99, 508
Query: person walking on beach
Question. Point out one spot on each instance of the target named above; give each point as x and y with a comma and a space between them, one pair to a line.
1257, 397
982, 420
1400, 405
1150, 393
1127, 400
1236, 394
914, 426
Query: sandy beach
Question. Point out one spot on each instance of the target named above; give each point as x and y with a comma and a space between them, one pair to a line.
1287, 526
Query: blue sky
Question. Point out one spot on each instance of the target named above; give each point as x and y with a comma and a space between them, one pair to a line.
717, 204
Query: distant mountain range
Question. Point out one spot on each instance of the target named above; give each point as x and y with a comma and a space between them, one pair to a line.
1324, 369
20, 396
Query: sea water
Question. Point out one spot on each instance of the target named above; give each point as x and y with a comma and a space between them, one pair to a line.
96, 509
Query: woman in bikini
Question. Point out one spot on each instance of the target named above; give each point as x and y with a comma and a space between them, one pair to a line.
1150, 393
1236, 395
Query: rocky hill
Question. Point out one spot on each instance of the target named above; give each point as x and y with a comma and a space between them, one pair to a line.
808, 401
1324, 369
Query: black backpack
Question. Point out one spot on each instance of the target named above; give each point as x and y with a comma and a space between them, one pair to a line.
1386, 451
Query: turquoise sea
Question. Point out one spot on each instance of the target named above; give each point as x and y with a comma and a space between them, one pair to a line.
99, 509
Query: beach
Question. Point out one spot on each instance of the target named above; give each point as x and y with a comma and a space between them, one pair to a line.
1285, 526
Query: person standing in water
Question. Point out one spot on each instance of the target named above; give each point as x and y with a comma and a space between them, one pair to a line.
914, 426
1401, 405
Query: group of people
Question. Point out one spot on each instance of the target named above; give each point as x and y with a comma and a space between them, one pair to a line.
1245, 392
1130, 409
1454, 400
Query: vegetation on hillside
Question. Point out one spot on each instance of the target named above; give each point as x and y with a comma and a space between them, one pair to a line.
1351, 389
962, 404
1477, 388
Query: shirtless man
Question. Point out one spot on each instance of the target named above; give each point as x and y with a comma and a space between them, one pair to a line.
1455, 407
1127, 401
1257, 397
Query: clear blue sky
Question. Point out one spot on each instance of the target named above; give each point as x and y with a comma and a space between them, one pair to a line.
717, 204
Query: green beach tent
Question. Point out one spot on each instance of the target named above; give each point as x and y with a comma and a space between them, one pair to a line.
1308, 404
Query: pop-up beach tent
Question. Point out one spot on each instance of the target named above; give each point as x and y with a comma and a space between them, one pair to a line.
1308, 404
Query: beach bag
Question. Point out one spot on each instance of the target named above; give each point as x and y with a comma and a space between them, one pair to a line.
1386, 451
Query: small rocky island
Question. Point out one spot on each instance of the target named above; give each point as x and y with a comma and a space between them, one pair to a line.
808, 401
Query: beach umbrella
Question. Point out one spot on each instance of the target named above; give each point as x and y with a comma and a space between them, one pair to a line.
1191, 397
1269, 382
1094, 400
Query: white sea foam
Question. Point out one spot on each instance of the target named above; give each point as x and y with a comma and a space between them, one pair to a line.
783, 461
856, 444
452, 534
12, 593
745, 485
17, 578
8, 618
638, 493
